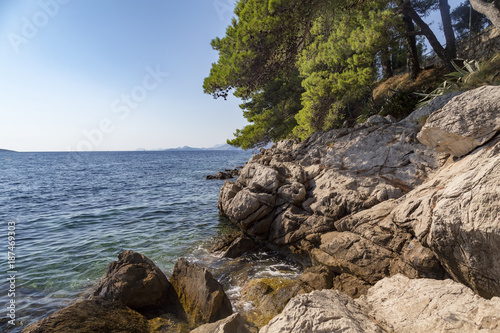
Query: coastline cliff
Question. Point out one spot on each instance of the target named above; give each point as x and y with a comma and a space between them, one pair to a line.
396, 225
414, 199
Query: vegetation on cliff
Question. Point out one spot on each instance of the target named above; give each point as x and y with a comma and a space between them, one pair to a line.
307, 66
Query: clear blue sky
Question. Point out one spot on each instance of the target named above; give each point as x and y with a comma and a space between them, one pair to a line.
67, 67
111, 75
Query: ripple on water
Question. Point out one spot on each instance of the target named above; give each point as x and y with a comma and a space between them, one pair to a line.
74, 215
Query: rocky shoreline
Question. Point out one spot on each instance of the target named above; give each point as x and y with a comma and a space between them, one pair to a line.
396, 225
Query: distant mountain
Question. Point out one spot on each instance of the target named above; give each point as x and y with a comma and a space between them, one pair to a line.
185, 148
7, 151
224, 146
216, 147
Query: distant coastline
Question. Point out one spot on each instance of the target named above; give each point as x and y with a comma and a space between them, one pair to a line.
188, 148
217, 147
7, 151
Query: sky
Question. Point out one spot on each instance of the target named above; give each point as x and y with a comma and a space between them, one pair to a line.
112, 75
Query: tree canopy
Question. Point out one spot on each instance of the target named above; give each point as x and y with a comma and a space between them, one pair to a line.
300, 65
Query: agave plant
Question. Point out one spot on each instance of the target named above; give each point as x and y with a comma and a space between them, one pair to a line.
463, 75
456, 81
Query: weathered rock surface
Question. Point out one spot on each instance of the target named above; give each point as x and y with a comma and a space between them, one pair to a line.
90, 316
427, 305
201, 296
322, 311
317, 277
396, 304
268, 297
372, 201
231, 324
234, 245
457, 216
135, 281
465, 123
293, 190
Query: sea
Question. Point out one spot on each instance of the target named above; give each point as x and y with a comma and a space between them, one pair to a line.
69, 214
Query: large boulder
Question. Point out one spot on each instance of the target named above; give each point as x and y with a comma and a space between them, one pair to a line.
90, 316
322, 311
468, 121
397, 304
135, 281
201, 296
456, 215
427, 305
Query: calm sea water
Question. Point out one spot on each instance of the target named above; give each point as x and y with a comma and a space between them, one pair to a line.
74, 213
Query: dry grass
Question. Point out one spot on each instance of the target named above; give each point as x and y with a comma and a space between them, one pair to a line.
488, 74
428, 78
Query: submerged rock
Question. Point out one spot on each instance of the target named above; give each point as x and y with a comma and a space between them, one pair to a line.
201, 296
90, 316
227, 174
135, 281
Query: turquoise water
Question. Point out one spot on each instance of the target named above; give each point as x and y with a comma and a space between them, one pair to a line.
75, 212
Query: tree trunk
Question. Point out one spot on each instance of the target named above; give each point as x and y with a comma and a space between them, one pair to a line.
451, 48
386, 63
412, 62
436, 46
490, 9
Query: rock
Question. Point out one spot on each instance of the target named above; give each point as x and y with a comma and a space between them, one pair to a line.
317, 277
227, 174
268, 297
428, 305
294, 193
135, 281
239, 246
201, 296
416, 117
234, 245
466, 122
89, 316
167, 323
372, 201
456, 216
326, 177
231, 324
259, 177
322, 311
224, 241
351, 253
377, 120
350, 285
